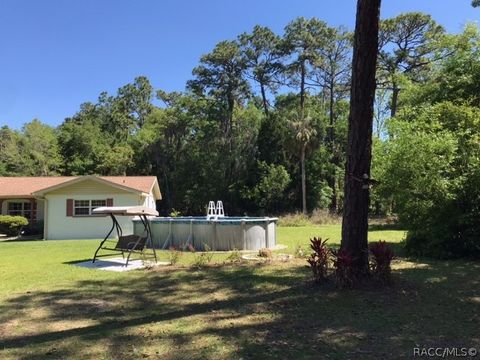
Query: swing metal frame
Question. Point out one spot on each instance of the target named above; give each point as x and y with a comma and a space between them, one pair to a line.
126, 245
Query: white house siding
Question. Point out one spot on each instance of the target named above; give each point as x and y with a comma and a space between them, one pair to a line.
60, 226
149, 201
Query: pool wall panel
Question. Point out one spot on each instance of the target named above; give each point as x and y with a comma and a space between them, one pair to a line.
220, 235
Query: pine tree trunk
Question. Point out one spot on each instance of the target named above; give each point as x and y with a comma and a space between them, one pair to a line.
304, 180
359, 150
302, 91
331, 101
332, 182
394, 105
166, 190
264, 100
302, 155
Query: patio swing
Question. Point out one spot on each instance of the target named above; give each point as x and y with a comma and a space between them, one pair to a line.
127, 244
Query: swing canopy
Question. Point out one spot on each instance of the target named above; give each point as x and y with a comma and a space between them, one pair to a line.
127, 244
125, 211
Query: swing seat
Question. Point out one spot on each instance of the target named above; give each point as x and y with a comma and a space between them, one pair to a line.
128, 243
131, 243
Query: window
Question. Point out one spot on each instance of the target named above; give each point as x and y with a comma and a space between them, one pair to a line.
82, 207
20, 208
98, 203
85, 207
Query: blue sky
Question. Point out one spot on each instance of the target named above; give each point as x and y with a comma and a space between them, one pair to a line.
56, 54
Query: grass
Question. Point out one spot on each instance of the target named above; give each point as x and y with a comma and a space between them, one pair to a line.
50, 309
300, 235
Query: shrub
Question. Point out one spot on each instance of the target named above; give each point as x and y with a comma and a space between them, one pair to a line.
235, 256
324, 216
430, 172
318, 260
344, 265
175, 213
296, 219
299, 252
174, 255
382, 255
201, 259
265, 253
391, 219
319, 216
12, 225
450, 227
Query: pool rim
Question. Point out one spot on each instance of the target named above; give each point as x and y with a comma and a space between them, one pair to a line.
227, 220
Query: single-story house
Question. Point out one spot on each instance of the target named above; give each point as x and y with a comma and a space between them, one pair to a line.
63, 205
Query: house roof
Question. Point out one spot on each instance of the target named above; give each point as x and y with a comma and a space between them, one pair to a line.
31, 186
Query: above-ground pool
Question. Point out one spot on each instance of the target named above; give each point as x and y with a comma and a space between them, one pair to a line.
221, 234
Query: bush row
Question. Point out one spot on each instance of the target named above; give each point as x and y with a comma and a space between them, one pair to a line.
317, 217
12, 225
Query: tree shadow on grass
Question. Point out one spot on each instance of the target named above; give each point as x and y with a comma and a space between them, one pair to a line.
20, 239
245, 312
398, 249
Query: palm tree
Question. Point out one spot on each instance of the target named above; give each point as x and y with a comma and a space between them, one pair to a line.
304, 132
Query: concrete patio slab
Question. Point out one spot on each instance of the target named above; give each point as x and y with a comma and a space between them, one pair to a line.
117, 264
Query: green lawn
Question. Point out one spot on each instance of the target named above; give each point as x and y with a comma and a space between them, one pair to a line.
294, 236
50, 309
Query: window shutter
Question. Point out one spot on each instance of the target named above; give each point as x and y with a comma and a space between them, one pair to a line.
69, 207
109, 202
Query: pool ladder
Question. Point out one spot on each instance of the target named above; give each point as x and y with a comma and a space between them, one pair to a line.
215, 212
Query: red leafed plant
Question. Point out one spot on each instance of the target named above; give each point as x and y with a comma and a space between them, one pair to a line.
382, 256
318, 260
344, 265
